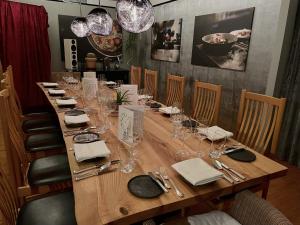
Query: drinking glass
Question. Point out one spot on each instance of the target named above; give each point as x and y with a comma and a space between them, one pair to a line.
132, 142
215, 152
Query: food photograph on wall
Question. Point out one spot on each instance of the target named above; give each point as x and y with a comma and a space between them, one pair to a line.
166, 40
222, 40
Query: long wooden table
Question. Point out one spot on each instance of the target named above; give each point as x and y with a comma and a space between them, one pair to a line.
105, 199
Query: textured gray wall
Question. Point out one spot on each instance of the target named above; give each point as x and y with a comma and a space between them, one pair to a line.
265, 26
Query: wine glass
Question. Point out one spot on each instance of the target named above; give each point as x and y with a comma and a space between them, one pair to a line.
132, 141
215, 152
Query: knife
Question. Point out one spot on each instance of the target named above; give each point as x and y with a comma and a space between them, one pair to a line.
231, 150
95, 166
233, 171
104, 168
157, 181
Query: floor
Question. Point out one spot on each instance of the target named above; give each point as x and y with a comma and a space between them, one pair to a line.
284, 193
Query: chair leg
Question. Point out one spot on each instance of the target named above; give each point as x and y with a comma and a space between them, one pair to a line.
265, 189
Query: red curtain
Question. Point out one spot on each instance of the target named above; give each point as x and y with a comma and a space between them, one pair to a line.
24, 44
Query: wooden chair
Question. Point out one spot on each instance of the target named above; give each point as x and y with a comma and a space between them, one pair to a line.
259, 121
31, 174
39, 211
136, 76
206, 102
175, 90
150, 82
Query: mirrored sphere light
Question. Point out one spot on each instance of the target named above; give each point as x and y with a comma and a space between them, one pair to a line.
100, 22
79, 27
135, 16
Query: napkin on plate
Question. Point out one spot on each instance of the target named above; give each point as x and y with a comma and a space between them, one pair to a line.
169, 110
110, 83
83, 118
90, 150
56, 92
140, 97
197, 172
62, 102
49, 84
215, 133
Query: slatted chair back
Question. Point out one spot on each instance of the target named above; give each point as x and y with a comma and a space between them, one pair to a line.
206, 102
15, 141
175, 90
8, 200
9, 81
259, 121
150, 82
136, 76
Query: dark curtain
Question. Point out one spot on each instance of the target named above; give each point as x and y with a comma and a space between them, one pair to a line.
289, 147
24, 44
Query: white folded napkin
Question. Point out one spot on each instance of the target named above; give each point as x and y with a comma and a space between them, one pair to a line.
169, 110
215, 133
110, 83
61, 102
54, 91
140, 97
83, 118
196, 171
90, 150
49, 84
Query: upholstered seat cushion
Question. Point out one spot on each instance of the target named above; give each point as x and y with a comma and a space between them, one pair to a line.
213, 218
49, 170
40, 125
56, 209
44, 142
39, 114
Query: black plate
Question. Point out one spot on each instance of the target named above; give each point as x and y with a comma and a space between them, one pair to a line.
144, 187
65, 98
189, 123
87, 137
74, 112
155, 105
242, 155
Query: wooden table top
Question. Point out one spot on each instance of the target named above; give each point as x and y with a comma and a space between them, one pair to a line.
104, 199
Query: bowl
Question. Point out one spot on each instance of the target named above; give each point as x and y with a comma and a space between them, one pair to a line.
218, 44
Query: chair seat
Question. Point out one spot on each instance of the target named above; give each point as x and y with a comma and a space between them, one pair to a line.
44, 142
56, 209
39, 114
49, 170
40, 125
213, 218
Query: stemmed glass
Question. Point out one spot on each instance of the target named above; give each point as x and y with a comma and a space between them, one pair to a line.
215, 152
132, 141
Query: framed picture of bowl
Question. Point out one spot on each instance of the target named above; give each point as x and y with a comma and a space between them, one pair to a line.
166, 40
222, 40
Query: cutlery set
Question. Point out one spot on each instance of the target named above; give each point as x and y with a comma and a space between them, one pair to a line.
165, 182
229, 174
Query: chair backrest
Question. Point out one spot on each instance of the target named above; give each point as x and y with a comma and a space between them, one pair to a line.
8, 81
136, 75
150, 82
259, 121
175, 90
8, 201
15, 141
206, 102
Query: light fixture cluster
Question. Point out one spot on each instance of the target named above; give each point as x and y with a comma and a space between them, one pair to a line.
134, 16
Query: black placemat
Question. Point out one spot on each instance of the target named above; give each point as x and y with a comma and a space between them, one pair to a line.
74, 112
155, 105
144, 187
242, 155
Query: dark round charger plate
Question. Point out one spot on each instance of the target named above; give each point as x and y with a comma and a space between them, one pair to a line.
144, 186
86, 137
189, 123
155, 105
74, 112
242, 155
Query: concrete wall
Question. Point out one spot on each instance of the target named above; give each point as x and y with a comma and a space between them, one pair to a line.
265, 48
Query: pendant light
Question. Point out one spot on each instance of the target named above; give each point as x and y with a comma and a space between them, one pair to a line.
79, 26
99, 21
135, 16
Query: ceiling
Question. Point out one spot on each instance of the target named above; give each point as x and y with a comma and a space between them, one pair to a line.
111, 3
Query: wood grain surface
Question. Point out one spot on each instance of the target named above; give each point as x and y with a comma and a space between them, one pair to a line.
105, 199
